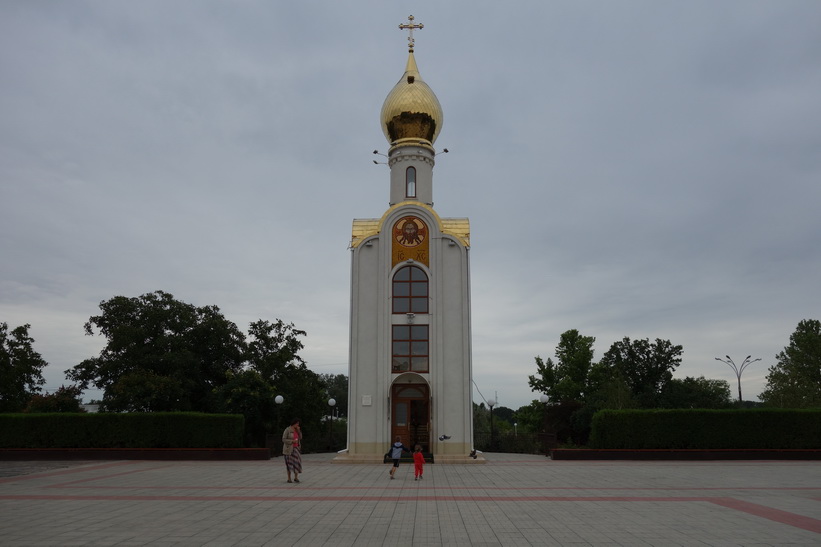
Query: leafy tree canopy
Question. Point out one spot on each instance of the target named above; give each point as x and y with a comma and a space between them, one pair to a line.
336, 386
567, 378
304, 397
21, 368
504, 414
65, 399
795, 380
272, 352
696, 393
531, 417
273, 347
246, 392
161, 354
646, 368
609, 389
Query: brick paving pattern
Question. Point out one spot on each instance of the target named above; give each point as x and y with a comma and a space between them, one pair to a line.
513, 499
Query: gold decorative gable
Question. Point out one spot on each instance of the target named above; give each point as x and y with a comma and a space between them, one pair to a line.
364, 228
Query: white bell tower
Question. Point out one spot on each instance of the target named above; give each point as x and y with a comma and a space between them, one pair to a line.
410, 337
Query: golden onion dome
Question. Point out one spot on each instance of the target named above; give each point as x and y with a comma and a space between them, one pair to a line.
411, 110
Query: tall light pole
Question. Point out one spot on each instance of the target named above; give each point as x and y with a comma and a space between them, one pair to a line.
278, 439
491, 403
739, 370
544, 399
332, 404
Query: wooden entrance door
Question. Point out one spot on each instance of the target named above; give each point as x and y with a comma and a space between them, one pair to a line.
410, 415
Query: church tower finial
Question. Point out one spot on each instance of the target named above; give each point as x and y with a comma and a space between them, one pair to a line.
411, 111
410, 26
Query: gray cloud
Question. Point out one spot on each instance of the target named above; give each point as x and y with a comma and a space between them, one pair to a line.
635, 169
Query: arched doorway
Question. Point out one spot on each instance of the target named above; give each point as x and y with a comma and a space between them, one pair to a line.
410, 415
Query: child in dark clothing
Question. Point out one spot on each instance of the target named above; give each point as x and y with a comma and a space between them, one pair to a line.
418, 462
396, 453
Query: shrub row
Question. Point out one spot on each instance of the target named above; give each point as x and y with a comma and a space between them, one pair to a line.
127, 430
707, 429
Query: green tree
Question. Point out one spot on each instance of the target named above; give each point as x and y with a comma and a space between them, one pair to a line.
481, 418
504, 414
21, 368
696, 393
795, 380
530, 417
273, 353
609, 389
305, 399
336, 386
567, 378
273, 346
246, 392
65, 399
161, 354
646, 368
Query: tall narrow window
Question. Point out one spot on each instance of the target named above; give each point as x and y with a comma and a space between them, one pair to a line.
410, 182
410, 348
410, 290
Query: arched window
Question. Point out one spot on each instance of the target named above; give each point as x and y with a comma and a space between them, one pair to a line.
410, 182
410, 290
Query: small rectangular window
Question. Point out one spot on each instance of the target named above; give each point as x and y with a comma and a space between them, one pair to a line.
410, 348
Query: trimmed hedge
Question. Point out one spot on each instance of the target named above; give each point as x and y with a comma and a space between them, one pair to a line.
126, 430
707, 429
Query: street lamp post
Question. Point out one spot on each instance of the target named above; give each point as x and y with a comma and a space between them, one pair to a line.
277, 438
491, 403
739, 370
278, 400
331, 403
544, 399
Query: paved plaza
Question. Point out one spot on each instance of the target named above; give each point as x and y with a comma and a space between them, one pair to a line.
513, 499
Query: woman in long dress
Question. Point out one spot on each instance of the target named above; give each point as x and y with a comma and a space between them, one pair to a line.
291, 443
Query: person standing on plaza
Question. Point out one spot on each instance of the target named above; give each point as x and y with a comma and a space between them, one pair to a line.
418, 462
291, 449
396, 454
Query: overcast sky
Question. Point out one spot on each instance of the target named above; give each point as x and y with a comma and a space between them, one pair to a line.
649, 169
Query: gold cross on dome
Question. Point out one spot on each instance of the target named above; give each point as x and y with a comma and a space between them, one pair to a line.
410, 26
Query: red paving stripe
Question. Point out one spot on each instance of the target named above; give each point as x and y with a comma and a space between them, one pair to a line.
673, 463
73, 485
777, 515
391, 498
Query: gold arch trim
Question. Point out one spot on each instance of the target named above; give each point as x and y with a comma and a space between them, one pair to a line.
457, 228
